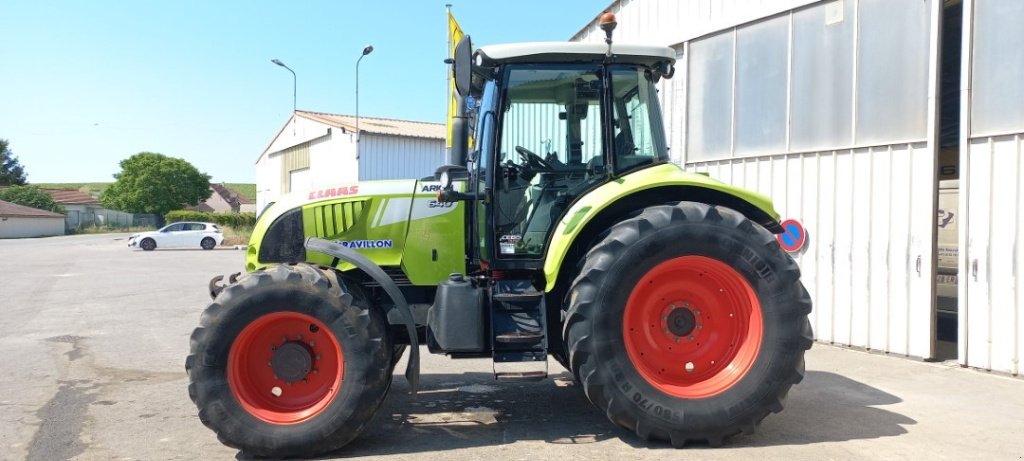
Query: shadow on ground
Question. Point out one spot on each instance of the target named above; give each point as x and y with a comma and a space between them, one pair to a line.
456, 411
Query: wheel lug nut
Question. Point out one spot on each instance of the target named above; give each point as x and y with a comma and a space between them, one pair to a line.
315, 371
312, 344
696, 312
690, 338
298, 338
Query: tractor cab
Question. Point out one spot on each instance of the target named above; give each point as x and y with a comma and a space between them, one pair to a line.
549, 122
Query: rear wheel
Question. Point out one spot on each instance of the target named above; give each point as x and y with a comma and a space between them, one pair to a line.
688, 322
208, 243
289, 362
148, 244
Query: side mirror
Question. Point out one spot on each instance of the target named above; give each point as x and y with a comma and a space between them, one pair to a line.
463, 69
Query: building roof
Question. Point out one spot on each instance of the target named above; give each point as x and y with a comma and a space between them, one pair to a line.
229, 194
385, 126
13, 210
575, 51
71, 197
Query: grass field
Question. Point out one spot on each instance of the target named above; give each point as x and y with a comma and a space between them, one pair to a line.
245, 190
96, 187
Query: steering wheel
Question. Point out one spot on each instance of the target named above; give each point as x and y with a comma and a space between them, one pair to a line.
535, 161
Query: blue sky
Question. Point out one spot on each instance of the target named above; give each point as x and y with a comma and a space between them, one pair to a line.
84, 85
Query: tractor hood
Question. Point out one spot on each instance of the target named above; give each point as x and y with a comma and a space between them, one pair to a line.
334, 193
375, 218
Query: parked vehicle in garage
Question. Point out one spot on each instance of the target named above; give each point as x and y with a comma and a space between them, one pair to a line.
179, 235
948, 251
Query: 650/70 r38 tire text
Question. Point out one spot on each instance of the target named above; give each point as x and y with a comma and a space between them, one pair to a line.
289, 362
688, 323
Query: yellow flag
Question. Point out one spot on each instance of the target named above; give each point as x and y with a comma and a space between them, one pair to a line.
454, 35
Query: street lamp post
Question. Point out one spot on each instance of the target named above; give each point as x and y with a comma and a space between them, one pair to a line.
366, 51
295, 80
295, 86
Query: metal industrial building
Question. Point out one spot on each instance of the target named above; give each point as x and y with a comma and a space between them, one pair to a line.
848, 113
315, 149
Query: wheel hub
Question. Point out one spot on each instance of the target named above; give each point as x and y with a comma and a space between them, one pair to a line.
692, 326
292, 361
681, 321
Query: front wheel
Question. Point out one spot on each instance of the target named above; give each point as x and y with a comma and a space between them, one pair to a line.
688, 322
289, 362
208, 243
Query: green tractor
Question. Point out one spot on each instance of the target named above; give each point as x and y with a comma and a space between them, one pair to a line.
565, 232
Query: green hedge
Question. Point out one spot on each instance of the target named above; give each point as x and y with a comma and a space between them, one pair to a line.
224, 219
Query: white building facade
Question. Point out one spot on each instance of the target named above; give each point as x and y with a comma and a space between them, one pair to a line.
848, 113
315, 149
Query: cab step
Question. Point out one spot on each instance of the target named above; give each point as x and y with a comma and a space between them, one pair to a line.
520, 366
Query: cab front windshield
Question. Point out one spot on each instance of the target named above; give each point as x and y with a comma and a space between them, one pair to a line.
554, 145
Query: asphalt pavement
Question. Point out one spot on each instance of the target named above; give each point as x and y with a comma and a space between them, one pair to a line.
93, 339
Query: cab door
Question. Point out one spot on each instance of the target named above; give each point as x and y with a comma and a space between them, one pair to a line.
550, 149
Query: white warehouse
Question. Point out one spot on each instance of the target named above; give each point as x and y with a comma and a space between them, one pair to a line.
850, 114
315, 149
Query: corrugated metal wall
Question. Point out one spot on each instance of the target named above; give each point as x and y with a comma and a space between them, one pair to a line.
399, 157
869, 216
991, 298
862, 183
669, 22
539, 129
292, 159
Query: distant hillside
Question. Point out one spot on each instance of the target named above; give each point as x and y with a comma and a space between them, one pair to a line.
93, 187
245, 190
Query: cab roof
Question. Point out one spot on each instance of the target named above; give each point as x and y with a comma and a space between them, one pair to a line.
539, 52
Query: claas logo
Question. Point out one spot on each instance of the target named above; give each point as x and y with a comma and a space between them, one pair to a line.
334, 192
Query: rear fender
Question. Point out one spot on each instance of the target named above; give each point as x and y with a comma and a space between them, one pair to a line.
610, 202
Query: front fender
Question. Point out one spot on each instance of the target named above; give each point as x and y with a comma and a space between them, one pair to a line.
667, 175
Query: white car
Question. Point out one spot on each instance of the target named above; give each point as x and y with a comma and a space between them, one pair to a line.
179, 235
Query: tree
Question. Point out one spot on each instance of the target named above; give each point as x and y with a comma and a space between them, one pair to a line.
155, 183
11, 171
31, 196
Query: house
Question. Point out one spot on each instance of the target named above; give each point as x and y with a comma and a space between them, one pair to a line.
853, 115
225, 200
84, 210
17, 221
315, 149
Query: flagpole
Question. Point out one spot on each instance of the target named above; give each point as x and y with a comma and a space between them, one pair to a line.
448, 69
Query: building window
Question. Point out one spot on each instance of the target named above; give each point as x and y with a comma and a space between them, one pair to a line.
997, 102
892, 71
761, 82
786, 84
822, 96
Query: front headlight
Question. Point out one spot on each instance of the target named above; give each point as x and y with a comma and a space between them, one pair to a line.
284, 241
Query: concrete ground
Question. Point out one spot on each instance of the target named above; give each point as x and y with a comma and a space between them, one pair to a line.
93, 338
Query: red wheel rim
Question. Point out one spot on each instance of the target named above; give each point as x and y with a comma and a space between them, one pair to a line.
692, 327
252, 379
